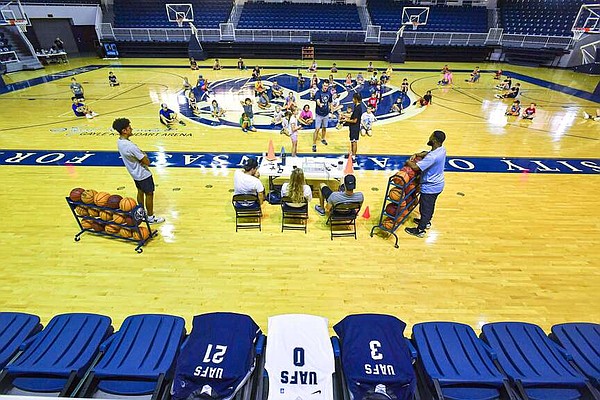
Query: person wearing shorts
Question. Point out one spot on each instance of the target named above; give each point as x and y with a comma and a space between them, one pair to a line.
137, 163
322, 109
345, 194
354, 124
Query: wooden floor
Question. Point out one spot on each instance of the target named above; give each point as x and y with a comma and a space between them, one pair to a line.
502, 247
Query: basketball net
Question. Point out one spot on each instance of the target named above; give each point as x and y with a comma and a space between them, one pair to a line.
179, 21
578, 33
415, 25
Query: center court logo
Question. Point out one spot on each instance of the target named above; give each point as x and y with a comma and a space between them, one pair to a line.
229, 93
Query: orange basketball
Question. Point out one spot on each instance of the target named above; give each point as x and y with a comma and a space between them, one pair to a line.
75, 194
92, 212
395, 194
119, 218
127, 204
106, 215
144, 231
391, 209
388, 223
86, 224
88, 196
124, 232
81, 210
97, 226
101, 199
409, 189
114, 200
112, 229
400, 178
129, 221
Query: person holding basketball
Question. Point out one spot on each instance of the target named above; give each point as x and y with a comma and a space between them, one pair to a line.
137, 163
432, 180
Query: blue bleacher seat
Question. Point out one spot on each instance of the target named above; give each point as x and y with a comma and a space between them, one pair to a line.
139, 359
56, 358
14, 329
582, 342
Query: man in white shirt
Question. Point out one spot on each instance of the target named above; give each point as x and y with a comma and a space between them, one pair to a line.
246, 180
432, 180
137, 163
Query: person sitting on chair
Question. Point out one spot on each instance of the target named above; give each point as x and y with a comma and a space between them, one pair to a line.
168, 117
246, 181
346, 194
297, 189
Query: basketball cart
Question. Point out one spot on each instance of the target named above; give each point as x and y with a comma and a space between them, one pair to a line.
89, 218
401, 198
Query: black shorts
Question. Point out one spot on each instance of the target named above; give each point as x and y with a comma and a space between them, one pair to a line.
326, 192
78, 96
146, 185
354, 135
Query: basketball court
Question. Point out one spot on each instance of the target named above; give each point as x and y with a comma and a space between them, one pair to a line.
514, 236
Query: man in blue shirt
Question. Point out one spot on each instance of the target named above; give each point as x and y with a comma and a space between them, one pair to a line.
323, 101
168, 117
432, 180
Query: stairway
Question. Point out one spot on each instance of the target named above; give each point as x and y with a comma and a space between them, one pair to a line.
22, 47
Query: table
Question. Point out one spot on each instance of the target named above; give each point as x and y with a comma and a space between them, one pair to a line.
49, 58
315, 168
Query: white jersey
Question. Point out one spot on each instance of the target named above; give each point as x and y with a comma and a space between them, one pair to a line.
299, 358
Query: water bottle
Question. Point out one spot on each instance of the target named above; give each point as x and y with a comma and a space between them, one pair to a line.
282, 155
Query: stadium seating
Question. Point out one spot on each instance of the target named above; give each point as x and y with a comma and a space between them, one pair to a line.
388, 14
538, 17
330, 17
14, 329
582, 342
152, 13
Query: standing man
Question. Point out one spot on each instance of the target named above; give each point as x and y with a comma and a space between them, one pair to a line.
432, 180
76, 88
354, 124
322, 108
137, 163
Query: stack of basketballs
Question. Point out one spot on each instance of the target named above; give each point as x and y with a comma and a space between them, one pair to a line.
405, 189
106, 213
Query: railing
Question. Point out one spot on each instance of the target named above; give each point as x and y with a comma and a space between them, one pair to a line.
8, 57
411, 37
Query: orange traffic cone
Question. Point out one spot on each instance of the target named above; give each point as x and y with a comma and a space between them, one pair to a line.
349, 165
367, 213
271, 152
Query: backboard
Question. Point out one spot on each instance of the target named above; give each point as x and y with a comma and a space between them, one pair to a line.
587, 20
415, 16
179, 13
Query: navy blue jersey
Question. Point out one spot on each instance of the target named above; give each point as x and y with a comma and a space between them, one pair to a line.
217, 358
375, 357
325, 98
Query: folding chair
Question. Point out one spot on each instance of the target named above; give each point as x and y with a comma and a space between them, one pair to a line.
54, 360
343, 215
294, 216
15, 328
248, 213
139, 359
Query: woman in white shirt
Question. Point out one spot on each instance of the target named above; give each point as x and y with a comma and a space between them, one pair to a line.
297, 189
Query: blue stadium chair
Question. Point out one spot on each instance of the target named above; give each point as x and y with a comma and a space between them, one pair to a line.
15, 328
582, 343
54, 360
139, 359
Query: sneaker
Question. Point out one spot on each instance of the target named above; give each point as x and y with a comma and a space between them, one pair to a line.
498, 96
95, 114
417, 220
181, 123
153, 219
415, 232
586, 115
89, 116
324, 142
244, 130
314, 148
320, 210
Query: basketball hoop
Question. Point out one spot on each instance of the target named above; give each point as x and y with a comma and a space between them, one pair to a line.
578, 33
415, 25
179, 21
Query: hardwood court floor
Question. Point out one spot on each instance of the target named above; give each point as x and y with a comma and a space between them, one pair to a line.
502, 246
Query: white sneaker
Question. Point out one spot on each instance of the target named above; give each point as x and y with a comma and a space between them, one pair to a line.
586, 115
153, 219
95, 114
89, 116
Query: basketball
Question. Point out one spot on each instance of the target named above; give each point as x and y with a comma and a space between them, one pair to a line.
114, 201
101, 199
127, 204
391, 209
98, 227
410, 188
144, 231
400, 178
119, 218
126, 233
388, 223
86, 224
129, 221
75, 194
106, 215
112, 229
87, 196
395, 194
92, 212
81, 211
